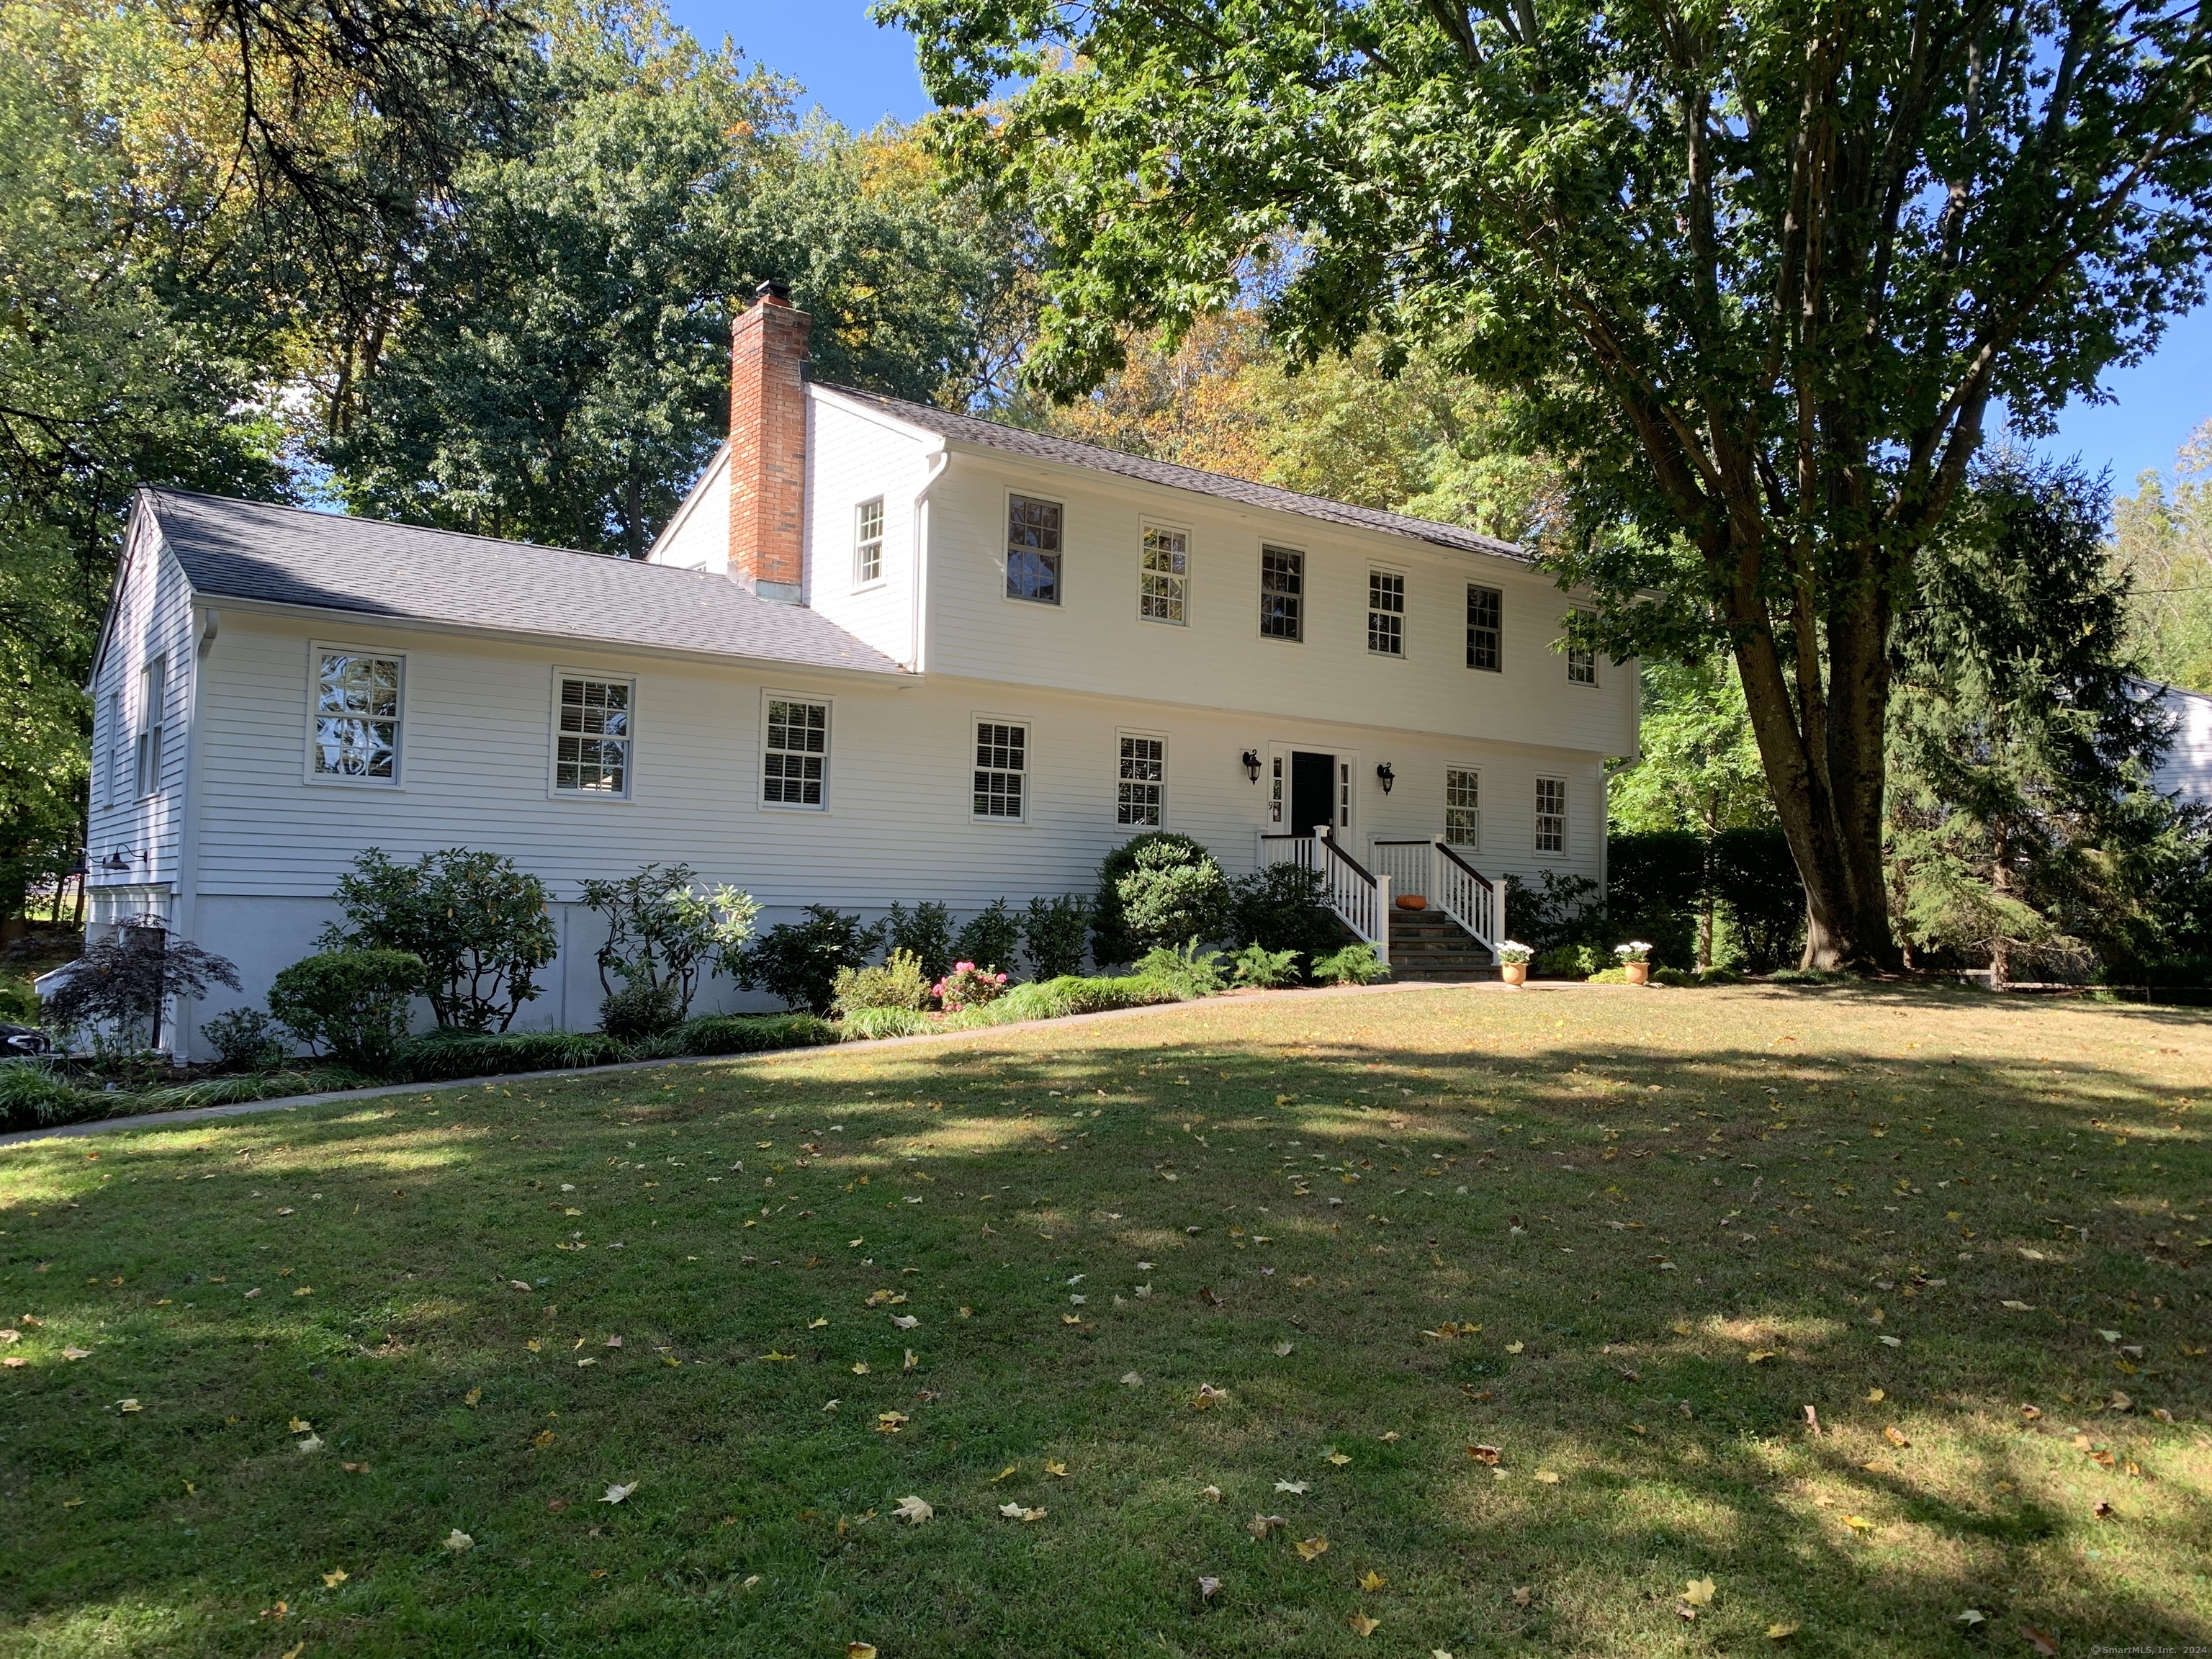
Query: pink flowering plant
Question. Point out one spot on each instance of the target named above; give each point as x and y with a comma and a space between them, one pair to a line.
967, 985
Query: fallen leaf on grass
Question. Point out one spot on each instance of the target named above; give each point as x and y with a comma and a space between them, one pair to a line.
1016, 1512
913, 1511
76, 1353
1388, 1436
1895, 1436
1523, 1596
1547, 1477
891, 1422
1782, 1633
1699, 1592
1003, 1473
1207, 1586
314, 1442
2042, 1641
459, 1542
1212, 1494
1515, 1347
1970, 1618
1312, 1549
2021, 1307
1858, 1523
471, 1397
1058, 1470
354, 1469
1260, 1525
905, 1321
1372, 1581
1283, 1350
2101, 1510
1296, 1488
1892, 1342
1207, 1395
1758, 1354
1485, 1455
1363, 1625
616, 1494
1131, 1380
1874, 1396
335, 1576
128, 1406
859, 1651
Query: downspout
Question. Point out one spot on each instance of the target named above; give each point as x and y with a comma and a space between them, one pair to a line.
938, 460
188, 833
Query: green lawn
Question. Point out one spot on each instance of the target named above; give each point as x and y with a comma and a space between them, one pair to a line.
1625, 1237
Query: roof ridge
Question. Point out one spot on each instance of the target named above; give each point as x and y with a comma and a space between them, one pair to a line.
1498, 543
162, 490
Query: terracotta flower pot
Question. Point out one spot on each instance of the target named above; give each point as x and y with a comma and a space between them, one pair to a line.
1514, 973
1411, 902
1639, 973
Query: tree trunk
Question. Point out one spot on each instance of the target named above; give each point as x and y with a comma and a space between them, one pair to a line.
2001, 885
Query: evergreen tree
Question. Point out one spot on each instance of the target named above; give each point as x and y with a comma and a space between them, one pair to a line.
2163, 540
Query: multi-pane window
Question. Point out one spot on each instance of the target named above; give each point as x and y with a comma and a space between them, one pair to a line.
1462, 807
119, 743
796, 752
1142, 782
1551, 815
591, 737
1001, 766
868, 541
1344, 795
356, 716
1165, 587
1582, 655
1485, 628
1386, 613
1275, 793
1282, 593
1032, 550
152, 702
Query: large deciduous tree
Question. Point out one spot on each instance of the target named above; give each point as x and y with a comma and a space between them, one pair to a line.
1760, 270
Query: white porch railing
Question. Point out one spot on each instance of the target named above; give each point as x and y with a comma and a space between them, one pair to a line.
1435, 869
1360, 899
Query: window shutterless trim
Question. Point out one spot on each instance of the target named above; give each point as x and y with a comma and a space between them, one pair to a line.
1386, 612
1463, 807
1485, 628
1556, 798
1038, 559
868, 542
593, 734
317, 650
1283, 604
1582, 660
147, 752
1163, 592
796, 755
1140, 780
1000, 752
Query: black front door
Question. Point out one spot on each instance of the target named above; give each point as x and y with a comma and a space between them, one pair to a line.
1313, 791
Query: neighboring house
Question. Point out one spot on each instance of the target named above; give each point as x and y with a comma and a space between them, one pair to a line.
2185, 771
883, 652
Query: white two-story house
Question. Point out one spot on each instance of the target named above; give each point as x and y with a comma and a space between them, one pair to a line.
884, 653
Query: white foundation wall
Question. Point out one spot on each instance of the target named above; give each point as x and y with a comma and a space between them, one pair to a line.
475, 764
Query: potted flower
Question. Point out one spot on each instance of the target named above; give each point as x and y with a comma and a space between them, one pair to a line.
1513, 958
1636, 957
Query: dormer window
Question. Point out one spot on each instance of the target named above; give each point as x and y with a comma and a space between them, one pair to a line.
1032, 550
868, 542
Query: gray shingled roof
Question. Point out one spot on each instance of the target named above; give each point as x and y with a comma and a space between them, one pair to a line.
1040, 446
369, 567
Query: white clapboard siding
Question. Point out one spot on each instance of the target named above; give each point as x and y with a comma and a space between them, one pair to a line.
851, 457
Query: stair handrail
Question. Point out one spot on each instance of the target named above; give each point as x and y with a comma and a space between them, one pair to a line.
1360, 899
1485, 917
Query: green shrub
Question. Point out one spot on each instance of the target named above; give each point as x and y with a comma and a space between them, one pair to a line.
1110, 939
441, 1056
990, 937
640, 1010
1281, 906
662, 935
1071, 993
125, 980
926, 933
1056, 932
1720, 976
755, 1034
236, 1090
1355, 964
1172, 895
1678, 977
1571, 962
245, 1040
33, 1095
1255, 965
1614, 976
482, 926
1186, 970
862, 1023
897, 984
799, 961
352, 1004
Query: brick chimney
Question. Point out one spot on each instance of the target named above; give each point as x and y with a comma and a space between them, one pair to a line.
767, 446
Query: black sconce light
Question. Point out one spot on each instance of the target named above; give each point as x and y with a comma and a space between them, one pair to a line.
1251, 760
1386, 777
115, 861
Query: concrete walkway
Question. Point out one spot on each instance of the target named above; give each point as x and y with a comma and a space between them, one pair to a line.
293, 1103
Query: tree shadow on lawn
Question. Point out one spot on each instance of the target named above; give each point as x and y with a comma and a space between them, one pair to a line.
1638, 1220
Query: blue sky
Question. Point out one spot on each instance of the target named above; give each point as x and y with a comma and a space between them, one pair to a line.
860, 73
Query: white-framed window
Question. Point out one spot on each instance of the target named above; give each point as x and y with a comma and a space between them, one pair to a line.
1344, 795
1163, 586
1386, 613
1582, 654
1551, 815
795, 754
594, 723
1142, 782
1485, 628
868, 542
153, 708
357, 721
1463, 807
1033, 550
1282, 593
1002, 770
119, 741
1275, 790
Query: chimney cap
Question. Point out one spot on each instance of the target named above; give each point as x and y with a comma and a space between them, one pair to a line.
774, 291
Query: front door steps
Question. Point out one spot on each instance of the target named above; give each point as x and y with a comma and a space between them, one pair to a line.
1429, 946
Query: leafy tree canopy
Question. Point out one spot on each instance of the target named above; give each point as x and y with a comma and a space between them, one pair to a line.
2163, 539
1756, 273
